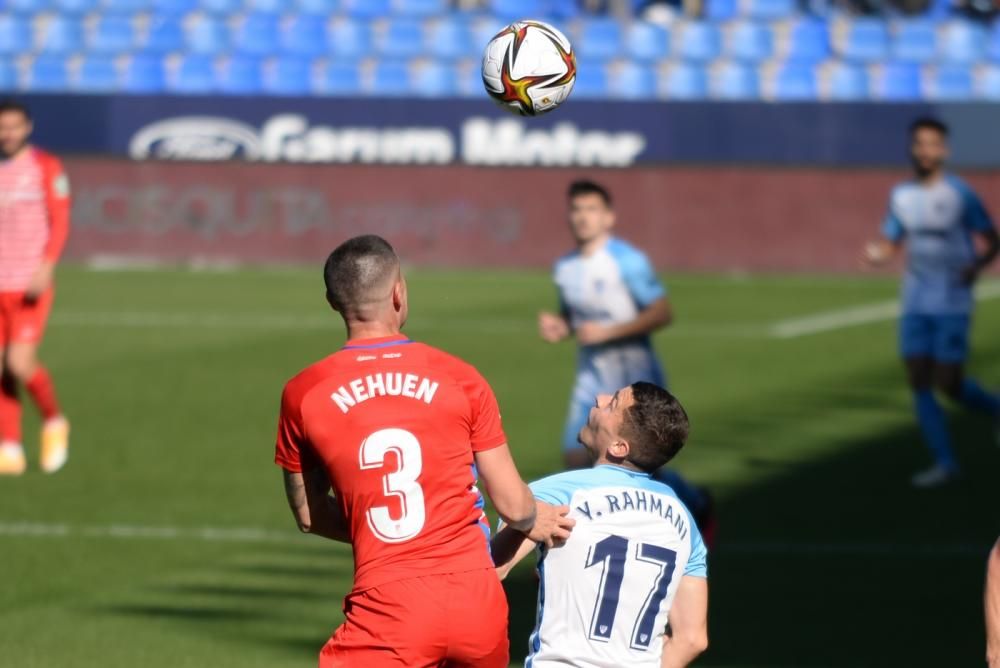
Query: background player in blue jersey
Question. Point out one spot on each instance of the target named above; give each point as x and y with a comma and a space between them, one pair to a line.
939, 219
635, 560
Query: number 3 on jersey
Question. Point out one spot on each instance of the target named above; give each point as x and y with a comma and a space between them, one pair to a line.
401, 484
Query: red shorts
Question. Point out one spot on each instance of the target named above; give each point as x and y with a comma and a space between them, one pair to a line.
22, 321
453, 620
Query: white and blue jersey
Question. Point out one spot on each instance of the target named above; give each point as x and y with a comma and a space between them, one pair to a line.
609, 287
604, 596
938, 222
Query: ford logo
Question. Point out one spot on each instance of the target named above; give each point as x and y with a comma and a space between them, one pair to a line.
202, 138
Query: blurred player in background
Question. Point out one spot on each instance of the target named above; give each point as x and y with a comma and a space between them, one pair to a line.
34, 224
938, 218
398, 430
635, 560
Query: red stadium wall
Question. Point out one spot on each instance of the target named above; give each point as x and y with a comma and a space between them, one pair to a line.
688, 218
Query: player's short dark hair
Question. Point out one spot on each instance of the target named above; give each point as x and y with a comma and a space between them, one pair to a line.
585, 187
355, 268
15, 106
929, 123
656, 426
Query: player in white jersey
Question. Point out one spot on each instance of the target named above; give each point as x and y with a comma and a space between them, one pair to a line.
611, 300
635, 560
939, 219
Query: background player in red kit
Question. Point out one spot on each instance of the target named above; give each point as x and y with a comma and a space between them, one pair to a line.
399, 430
34, 223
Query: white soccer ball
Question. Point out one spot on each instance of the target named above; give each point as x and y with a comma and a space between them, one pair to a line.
529, 68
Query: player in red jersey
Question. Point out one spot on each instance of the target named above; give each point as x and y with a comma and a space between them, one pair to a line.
399, 431
34, 223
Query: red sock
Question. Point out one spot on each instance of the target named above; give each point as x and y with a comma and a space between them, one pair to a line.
10, 410
42, 390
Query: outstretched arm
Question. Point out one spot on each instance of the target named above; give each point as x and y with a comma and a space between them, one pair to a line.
315, 511
688, 623
509, 547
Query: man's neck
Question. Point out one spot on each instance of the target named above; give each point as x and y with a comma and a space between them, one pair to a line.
930, 178
620, 463
370, 330
588, 248
19, 153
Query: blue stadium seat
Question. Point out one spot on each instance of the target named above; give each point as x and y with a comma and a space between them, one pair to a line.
720, 10
863, 40
962, 42
111, 33
143, 73
205, 35
8, 75
76, 7
591, 82
240, 75
368, 9
948, 82
59, 34
896, 82
749, 41
988, 83
47, 73
348, 39
389, 78
805, 41
255, 34
683, 81
793, 82
27, 6
193, 74
844, 82
162, 34
420, 7
914, 41
288, 76
96, 74
563, 9
512, 10
468, 79
337, 78
768, 10
124, 6
174, 7
483, 30
647, 42
449, 38
696, 41
733, 81
632, 81
324, 8
304, 35
15, 35
266, 6
993, 42
400, 38
433, 79
599, 39
220, 7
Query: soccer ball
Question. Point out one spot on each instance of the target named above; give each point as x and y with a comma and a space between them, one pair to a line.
529, 68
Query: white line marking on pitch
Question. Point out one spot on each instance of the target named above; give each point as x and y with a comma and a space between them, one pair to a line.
258, 535
828, 321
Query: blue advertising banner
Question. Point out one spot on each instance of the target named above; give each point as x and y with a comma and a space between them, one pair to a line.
471, 132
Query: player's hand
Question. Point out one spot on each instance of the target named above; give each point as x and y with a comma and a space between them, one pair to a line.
970, 274
591, 334
876, 253
552, 526
551, 327
40, 282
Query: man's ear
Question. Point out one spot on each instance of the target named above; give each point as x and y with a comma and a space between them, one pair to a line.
397, 295
619, 449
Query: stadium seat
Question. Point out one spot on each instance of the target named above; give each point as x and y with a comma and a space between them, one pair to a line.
348, 39
804, 41
599, 40
96, 74
647, 42
337, 78
733, 81
389, 78
240, 75
255, 34
469, 79
426, 8
749, 41
767, 10
563, 9
143, 74
368, 9
683, 81
591, 82
792, 83
8, 75
696, 41
162, 34
961, 42
191, 75
26, 7
110, 33
895, 82
948, 82
483, 30
273, 7
720, 10
987, 83
220, 7
75, 7
862, 40
15, 35
631, 81
124, 6
432, 79
843, 82
205, 35
400, 38
47, 73
58, 34
324, 8
449, 38
288, 76
512, 10
914, 41
303, 35
174, 7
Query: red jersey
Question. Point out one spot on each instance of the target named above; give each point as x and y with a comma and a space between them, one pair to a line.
395, 424
34, 216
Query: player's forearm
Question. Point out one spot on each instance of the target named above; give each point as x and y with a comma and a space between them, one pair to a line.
516, 508
329, 522
681, 651
992, 605
648, 321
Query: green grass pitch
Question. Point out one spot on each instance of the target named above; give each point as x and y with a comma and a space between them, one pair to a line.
135, 554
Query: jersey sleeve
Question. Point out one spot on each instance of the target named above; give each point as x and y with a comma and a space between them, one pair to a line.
291, 444
57, 204
640, 277
974, 214
697, 565
486, 430
892, 226
555, 489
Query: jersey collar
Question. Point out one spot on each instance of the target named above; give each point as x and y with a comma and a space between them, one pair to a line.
632, 472
379, 342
